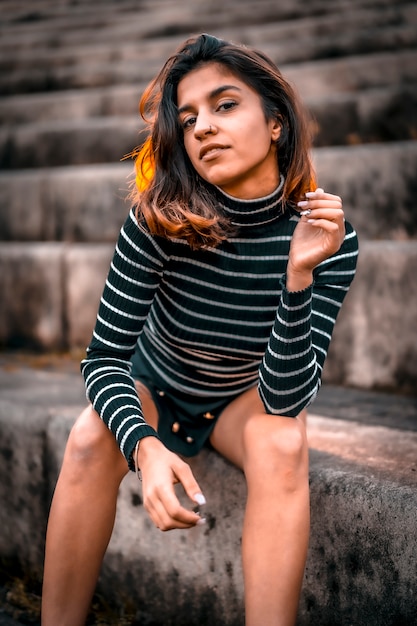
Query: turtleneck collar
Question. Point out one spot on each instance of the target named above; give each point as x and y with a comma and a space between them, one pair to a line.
252, 212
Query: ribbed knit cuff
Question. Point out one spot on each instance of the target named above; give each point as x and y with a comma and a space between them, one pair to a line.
295, 298
134, 437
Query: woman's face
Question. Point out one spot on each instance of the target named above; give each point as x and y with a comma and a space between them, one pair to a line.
226, 135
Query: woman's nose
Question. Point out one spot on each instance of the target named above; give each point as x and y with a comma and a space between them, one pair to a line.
203, 128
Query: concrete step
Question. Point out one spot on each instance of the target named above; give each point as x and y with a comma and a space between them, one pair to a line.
374, 115
78, 24
358, 72
341, 33
68, 203
76, 104
56, 68
69, 142
363, 478
71, 203
84, 76
351, 111
365, 70
376, 184
51, 293
375, 339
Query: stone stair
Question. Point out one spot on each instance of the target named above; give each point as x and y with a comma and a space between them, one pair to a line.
71, 75
361, 567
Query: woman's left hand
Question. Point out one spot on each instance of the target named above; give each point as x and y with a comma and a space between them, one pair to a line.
319, 234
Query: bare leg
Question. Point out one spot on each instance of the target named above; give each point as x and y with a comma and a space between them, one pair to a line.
273, 452
81, 519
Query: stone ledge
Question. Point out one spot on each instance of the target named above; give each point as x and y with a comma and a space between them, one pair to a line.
377, 184
77, 142
73, 203
375, 340
71, 104
70, 279
356, 31
312, 78
88, 203
291, 19
361, 563
375, 115
356, 73
32, 286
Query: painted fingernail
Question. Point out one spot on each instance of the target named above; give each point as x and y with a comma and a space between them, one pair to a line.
201, 521
310, 194
311, 221
319, 190
302, 203
199, 498
306, 212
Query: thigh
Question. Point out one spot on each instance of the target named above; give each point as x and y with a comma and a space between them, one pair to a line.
228, 434
150, 412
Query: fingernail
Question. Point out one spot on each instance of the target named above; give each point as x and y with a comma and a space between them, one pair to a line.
307, 212
200, 499
302, 203
319, 190
310, 194
310, 221
201, 521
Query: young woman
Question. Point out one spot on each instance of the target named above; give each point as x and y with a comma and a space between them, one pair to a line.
213, 327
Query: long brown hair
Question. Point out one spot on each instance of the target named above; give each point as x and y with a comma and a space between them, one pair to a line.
170, 196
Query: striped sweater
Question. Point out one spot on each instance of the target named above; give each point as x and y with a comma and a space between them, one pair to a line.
214, 322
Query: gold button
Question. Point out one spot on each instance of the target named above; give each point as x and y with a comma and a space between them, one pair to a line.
189, 439
208, 415
161, 393
175, 427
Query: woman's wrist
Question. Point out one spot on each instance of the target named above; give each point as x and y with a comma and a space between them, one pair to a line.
135, 457
146, 445
298, 280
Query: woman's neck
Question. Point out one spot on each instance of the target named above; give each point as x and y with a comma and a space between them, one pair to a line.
254, 211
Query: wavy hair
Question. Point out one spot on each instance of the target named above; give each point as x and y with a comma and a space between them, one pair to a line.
170, 196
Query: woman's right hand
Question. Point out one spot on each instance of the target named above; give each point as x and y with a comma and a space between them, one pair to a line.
161, 469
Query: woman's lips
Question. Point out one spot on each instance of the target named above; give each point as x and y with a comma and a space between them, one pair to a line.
211, 151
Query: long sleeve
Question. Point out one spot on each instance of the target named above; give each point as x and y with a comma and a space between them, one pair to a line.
290, 372
129, 291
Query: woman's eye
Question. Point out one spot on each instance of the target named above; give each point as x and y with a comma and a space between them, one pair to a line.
188, 122
225, 106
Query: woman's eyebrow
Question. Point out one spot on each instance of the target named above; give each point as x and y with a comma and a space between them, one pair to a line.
213, 94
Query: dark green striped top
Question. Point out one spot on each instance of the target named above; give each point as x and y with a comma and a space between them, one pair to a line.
214, 322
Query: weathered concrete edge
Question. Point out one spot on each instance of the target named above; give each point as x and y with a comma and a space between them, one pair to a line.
361, 559
61, 300
341, 119
68, 203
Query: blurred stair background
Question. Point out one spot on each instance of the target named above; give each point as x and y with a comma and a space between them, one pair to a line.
71, 76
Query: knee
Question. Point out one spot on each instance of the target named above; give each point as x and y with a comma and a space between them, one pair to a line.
276, 446
91, 443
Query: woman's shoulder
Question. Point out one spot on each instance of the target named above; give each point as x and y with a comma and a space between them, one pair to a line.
136, 236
